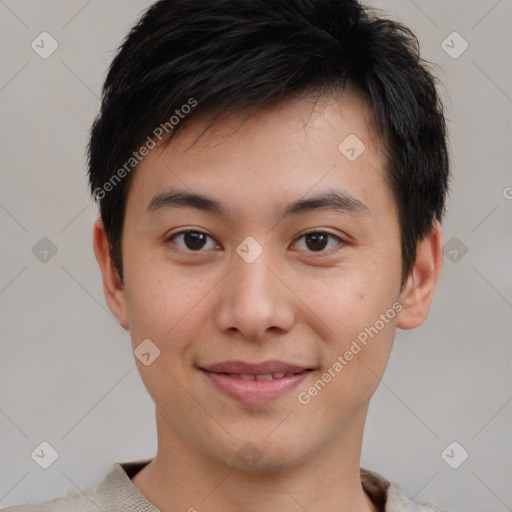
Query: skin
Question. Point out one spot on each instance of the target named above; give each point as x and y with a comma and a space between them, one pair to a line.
293, 304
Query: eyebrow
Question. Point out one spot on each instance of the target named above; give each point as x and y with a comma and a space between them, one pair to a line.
340, 202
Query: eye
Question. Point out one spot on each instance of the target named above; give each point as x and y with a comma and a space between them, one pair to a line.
192, 240
318, 241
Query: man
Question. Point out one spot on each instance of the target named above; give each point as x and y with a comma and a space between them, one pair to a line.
271, 176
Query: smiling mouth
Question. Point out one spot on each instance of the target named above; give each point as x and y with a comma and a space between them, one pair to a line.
255, 383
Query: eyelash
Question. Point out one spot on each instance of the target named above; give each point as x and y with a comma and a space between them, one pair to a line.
331, 235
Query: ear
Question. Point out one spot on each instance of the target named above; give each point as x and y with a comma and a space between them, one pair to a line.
113, 289
418, 292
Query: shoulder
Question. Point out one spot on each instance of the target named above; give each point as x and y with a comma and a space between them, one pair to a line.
398, 500
79, 502
115, 492
390, 497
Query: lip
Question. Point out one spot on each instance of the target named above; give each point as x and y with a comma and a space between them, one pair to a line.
263, 368
227, 377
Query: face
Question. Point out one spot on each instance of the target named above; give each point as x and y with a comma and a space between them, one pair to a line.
263, 261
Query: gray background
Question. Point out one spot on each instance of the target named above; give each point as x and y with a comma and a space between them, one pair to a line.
67, 374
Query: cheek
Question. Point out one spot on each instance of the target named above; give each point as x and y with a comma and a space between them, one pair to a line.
162, 303
348, 302
357, 308
365, 339
169, 311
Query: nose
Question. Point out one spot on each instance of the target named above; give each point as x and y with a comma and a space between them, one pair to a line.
254, 302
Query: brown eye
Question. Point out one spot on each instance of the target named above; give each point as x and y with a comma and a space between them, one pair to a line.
192, 240
318, 241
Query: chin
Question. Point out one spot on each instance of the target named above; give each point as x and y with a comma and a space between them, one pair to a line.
259, 454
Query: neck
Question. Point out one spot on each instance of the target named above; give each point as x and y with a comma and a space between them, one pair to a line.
183, 478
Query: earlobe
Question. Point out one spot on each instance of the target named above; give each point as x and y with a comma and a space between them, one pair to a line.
113, 288
419, 290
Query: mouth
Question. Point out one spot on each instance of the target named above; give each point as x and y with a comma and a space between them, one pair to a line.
256, 383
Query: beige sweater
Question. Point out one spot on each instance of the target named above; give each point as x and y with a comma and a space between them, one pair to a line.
116, 493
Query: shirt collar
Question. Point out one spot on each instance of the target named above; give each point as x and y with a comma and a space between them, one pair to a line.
387, 496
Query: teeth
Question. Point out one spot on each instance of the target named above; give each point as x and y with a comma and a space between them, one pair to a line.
268, 376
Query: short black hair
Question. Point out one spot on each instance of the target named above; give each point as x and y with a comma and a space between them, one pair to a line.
188, 57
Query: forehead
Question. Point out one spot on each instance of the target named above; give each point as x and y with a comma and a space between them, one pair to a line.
286, 149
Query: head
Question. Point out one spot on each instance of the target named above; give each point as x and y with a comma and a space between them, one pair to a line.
312, 127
